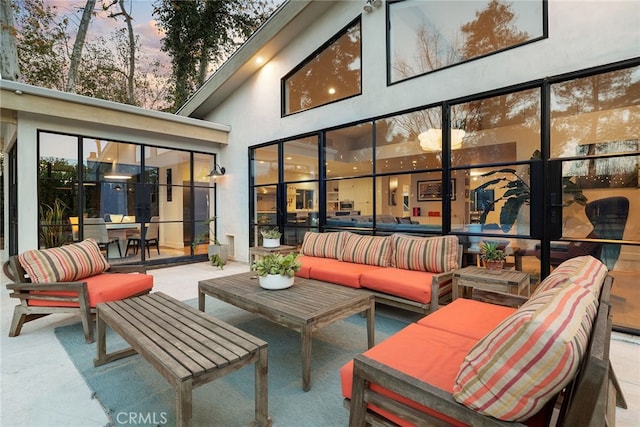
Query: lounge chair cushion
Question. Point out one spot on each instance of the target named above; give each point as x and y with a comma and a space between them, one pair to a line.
371, 250
65, 263
430, 355
434, 254
530, 356
468, 318
104, 288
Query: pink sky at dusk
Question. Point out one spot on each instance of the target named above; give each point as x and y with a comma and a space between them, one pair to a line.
144, 24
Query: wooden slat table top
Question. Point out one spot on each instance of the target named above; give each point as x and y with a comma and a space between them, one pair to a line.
479, 274
182, 341
305, 302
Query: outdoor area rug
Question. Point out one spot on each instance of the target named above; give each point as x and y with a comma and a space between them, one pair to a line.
133, 393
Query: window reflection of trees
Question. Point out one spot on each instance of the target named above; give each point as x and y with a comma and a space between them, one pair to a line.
333, 74
438, 42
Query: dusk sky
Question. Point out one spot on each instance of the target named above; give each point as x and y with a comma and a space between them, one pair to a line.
143, 22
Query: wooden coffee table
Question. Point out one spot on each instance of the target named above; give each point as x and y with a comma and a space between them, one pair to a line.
305, 307
187, 347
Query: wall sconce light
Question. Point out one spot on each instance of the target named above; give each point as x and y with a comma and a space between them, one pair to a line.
370, 4
217, 171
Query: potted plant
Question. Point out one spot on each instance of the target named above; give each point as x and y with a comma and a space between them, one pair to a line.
276, 271
216, 251
54, 231
271, 237
492, 256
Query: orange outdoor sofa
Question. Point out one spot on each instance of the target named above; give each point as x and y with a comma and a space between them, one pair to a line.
414, 273
477, 363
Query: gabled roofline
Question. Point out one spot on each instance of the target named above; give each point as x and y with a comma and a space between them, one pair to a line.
289, 20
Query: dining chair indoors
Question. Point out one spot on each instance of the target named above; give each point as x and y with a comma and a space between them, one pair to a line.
96, 228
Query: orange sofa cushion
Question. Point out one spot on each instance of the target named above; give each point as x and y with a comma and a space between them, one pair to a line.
468, 318
342, 273
104, 288
409, 284
308, 262
431, 355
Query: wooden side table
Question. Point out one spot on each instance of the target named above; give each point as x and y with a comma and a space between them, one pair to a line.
507, 281
257, 251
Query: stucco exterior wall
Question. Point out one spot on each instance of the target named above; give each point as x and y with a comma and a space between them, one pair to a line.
581, 35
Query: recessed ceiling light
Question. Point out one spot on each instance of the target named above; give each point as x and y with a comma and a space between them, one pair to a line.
332, 91
259, 60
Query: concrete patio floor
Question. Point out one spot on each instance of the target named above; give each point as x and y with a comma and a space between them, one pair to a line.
41, 387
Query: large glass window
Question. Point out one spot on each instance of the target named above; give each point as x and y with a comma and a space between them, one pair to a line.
331, 74
595, 123
58, 189
111, 200
425, 35
300, 158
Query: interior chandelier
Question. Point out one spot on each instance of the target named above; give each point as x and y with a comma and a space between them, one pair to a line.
431, 140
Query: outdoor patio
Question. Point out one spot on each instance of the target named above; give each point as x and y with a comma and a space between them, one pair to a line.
41, 386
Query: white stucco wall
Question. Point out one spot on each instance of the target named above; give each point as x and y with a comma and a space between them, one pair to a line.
581, 35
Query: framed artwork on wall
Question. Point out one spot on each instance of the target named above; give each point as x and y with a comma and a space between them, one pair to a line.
431, 190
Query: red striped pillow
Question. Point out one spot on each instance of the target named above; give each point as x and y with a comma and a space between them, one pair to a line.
371, 250
529, 357
325, 245
64, 264
433, 254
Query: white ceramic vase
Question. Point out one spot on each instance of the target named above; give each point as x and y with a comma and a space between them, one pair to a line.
475, 240
275, 281
270, 243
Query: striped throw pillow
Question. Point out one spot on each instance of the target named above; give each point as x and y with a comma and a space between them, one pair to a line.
433, 254
585, 271
325, 245
529, 357
65, 263
371, 250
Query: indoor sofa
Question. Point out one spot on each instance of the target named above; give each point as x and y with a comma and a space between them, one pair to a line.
69, 279
476, 363
405, 271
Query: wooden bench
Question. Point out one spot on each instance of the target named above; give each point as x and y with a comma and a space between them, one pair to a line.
589, 400
187, 347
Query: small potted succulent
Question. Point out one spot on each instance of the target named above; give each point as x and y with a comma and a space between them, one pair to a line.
492, 256
271, 237
276, 271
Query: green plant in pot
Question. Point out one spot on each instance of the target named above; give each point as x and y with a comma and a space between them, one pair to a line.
492, 256
276, 271
216, 251
55, 229
271, 237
